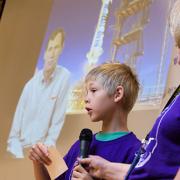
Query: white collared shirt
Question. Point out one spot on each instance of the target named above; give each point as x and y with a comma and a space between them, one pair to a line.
40, 112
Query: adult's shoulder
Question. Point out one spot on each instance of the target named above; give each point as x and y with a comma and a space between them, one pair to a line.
62, 69
33, 79
178, 97
37, 75
175, 103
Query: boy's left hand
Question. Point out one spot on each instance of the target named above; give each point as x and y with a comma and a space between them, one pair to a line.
80, 173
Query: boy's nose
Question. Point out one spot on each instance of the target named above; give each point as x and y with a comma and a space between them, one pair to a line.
86, 99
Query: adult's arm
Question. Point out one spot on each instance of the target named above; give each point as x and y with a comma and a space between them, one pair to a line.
101, 168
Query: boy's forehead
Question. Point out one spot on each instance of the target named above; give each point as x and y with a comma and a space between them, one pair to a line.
92, 82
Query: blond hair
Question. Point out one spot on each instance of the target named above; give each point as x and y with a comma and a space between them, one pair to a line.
112, 75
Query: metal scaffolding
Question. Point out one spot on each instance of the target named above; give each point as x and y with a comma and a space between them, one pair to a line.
126, 10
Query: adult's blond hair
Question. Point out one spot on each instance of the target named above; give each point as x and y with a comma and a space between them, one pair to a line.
112, 75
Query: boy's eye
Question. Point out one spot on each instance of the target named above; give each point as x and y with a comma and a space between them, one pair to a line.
93, 90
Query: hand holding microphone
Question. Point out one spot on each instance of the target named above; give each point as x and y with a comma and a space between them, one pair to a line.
85, 139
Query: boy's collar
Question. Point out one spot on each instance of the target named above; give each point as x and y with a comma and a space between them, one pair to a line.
108, 136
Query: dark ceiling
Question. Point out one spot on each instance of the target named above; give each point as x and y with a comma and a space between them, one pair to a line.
2, 3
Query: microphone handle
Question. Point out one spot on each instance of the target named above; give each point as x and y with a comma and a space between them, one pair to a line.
84, 148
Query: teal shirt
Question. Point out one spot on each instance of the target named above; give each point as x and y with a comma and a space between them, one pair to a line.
101, 136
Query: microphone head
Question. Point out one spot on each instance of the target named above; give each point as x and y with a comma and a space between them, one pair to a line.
85, 139
86, 134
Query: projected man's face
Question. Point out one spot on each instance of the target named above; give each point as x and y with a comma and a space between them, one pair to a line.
53, 51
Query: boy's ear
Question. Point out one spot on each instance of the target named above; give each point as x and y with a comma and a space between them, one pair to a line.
119, 93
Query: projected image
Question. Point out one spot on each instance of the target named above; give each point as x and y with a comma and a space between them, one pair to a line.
40, 112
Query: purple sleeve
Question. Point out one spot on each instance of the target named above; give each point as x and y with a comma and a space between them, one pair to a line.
70, 159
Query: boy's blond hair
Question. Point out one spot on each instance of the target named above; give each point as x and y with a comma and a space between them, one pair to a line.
111, 75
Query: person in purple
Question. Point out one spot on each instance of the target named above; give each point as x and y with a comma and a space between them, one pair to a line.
161, 157
111, 91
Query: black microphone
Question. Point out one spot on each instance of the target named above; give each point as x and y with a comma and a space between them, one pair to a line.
85, 139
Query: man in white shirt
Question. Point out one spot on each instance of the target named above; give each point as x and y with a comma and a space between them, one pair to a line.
40, 112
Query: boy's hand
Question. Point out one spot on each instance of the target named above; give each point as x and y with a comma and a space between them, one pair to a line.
39, 154
80, 173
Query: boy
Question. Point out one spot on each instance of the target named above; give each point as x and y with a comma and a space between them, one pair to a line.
111, 91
